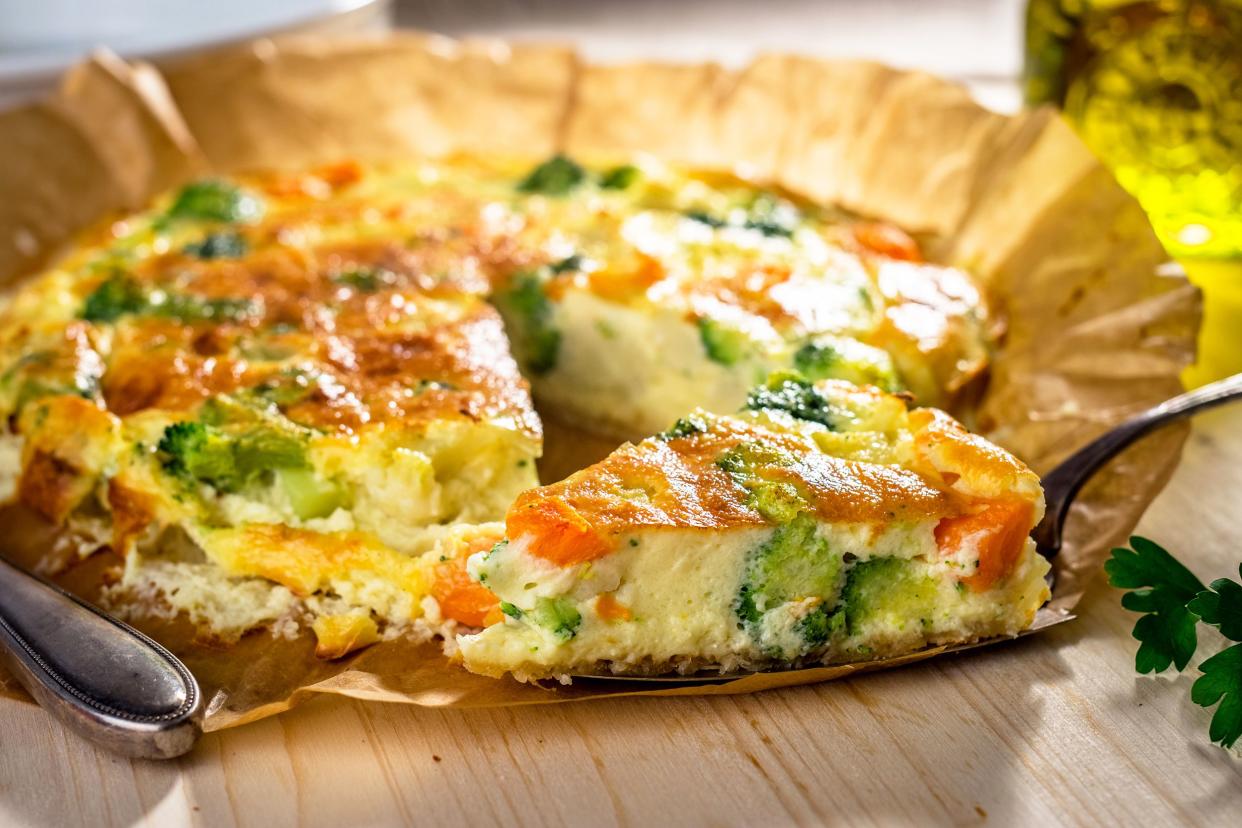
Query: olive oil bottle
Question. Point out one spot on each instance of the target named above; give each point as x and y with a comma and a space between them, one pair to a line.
1155, 89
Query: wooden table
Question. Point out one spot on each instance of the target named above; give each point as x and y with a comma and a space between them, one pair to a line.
1056, 728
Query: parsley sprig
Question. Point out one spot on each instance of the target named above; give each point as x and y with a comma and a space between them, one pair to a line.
1173, 602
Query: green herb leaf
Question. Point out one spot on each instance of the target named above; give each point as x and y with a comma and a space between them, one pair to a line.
1222, 682
1221, 606
1161, 588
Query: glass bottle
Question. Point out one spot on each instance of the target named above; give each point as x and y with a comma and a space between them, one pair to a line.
1155, 88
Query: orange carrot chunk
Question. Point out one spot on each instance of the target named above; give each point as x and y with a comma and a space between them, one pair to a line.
461, 598
998, 532
561, 534
887, 240
610, 609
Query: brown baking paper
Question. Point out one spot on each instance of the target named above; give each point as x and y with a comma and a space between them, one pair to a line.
1094, 335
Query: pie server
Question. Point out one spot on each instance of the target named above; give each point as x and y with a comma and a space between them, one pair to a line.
123, 691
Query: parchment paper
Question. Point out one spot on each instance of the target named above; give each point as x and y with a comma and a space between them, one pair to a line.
1094, 335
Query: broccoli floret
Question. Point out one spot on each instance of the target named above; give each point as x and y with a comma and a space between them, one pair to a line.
794, 394
121, 295
310, 495
723, 343
259, 449
766, 214
225, 461
200, 452
772, 216
223, 245
365, 279
795, 563
117, 296
684, 427
818, 626
886, 588
816, 361
703, 217
619, 178
567, 264
779, 501
556, 176
847, 359
214, 200
558, 615
197, 309
538, 341
288, 387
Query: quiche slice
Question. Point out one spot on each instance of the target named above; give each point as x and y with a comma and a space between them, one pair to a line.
826, 523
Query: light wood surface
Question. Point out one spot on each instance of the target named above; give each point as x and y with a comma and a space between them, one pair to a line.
1053, 729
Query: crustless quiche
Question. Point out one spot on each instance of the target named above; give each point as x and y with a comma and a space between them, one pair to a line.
825, 523
293, 400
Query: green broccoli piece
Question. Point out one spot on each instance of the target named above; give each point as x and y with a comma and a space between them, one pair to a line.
556, 176
115, 297
772, 217
365, 279
225, 461
538, 341
723, 343
511, 610
794, 394
310, 495
567, 264
559, 615
795, 563
225, 244
200, 452
214, 200
816, 361
684, 427
779, 501
287, 388
197, 309
121, 295
703, 217
886, 588
620, 178
766, 214
261, 448
847, 359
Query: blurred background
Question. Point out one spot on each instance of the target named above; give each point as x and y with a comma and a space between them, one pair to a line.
1153, 86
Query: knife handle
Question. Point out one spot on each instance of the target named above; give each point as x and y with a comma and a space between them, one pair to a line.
105, 680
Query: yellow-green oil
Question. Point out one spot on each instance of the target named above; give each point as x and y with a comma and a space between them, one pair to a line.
1155, 89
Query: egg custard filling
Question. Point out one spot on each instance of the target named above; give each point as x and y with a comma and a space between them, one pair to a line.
825, 523
293, 400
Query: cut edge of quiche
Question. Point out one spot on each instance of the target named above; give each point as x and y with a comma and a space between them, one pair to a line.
824, 524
